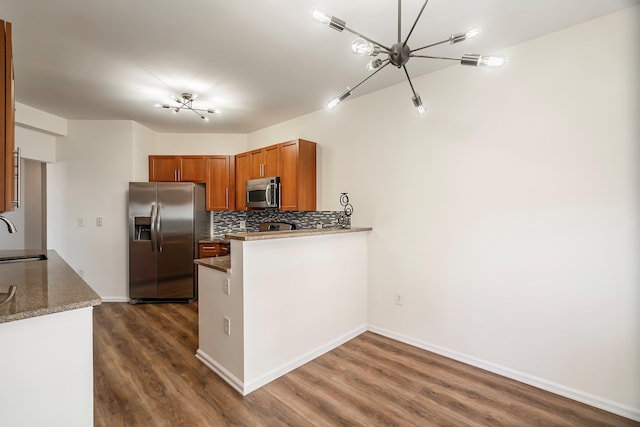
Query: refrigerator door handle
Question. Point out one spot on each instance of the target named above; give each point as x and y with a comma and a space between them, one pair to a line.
159, 229
154, 235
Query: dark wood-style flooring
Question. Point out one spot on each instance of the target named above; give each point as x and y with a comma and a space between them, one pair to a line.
146, 374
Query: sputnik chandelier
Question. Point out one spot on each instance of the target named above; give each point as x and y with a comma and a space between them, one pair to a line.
400, 53
186, 103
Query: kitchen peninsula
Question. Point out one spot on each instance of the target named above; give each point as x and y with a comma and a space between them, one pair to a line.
280, 300
46, 331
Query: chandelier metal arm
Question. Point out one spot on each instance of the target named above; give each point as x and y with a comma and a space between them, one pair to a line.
415, 22
409, 80
368, 39
436, 57
399, 21
432, 45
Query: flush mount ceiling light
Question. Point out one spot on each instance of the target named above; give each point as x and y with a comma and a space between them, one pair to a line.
186, 103
400, 53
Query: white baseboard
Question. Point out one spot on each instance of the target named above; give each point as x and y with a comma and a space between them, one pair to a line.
115, 299
580, 396
246, 388
223, 373
296, 363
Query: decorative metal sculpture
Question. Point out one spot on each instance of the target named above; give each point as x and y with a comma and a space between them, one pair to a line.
344, 219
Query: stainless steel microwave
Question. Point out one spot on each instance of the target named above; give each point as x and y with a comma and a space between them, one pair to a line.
263, 193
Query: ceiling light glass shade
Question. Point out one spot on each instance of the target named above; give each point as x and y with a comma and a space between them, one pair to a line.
475, 60
374, 64
417, 102
364, 48
337, 100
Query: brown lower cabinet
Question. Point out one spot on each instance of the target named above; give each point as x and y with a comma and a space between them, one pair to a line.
209, 250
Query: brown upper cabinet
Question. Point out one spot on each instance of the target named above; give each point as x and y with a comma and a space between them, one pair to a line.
264, 162
177, 169
296, 167
242, 175
298, 175
221, 183
7, 118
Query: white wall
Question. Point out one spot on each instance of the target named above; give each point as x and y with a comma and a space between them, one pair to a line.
34, 145
90, 179
508, 219
187, 143
144, 144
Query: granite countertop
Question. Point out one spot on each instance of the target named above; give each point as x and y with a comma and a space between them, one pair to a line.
43, 287
214, 240
221, 263
267, 235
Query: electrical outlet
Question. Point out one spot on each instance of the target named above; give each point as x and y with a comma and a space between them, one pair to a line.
227, 286
80, 221
319, 225
399, 299
99, 221
243, 224
227, 326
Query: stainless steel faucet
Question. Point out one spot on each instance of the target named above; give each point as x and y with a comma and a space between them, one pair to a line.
10, 225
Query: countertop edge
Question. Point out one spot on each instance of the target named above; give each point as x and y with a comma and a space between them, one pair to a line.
269, 235
46, 311
75, 290
222, 263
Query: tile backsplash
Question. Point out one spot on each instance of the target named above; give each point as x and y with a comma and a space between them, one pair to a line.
225, 222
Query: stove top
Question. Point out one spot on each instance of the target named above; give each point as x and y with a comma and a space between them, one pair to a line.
276, 226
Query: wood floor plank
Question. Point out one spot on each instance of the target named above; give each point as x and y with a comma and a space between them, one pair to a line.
146, 374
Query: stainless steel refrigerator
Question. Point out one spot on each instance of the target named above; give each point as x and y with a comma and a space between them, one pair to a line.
166, 221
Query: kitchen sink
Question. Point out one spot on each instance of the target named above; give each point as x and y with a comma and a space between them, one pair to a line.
22, 258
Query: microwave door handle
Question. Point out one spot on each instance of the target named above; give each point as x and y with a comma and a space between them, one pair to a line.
268, 196
154, 236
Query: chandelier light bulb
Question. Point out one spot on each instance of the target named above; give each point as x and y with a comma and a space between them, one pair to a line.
492, 61
337, 100
472, 33
474, 60
374, 64
319, 16
362, 47
417, 102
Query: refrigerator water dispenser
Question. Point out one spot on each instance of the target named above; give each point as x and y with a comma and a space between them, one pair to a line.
142, 228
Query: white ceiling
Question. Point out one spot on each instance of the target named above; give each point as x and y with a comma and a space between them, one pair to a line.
259, 61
